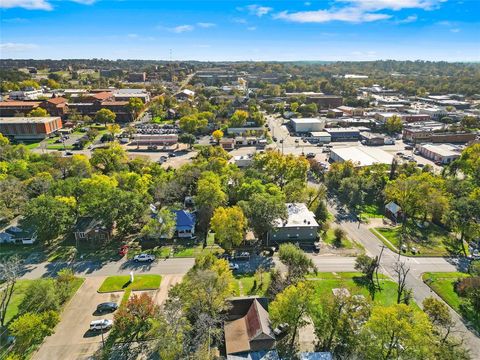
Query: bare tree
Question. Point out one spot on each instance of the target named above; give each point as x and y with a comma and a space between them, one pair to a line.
401, 270
9, 274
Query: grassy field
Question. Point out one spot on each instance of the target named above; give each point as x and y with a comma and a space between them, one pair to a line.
444, 285
252, 285
354, 282
177, 251
329, 239
371, 211
122, 282
432, 241
19, 294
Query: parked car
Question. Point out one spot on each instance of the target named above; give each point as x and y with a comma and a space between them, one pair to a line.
297, 141
233, 266
107, 307
280, 329
123, 250
408, 147
310, 155
68, 153
144, 258
152, 147
274, 138
172, 154
103, 324
244, 255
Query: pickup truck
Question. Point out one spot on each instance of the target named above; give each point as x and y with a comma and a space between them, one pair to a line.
144, 258
102, 324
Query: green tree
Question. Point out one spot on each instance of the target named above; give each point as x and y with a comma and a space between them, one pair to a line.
217, 135
40, 296
10, 271
26, 84
210, 195
239, 118
229, 225
113, 129
394, 124
292, 306
135, 105
31, 328
105, 116
163, 226
395, 332
50, 216
38, 112
464, 219
113, 158
187, 139
192, 123
297, 263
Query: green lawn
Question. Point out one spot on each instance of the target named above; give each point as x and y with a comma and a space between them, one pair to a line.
252, 285
431, 241
354, 282
371, 211
444, 285
177, 251
19, 293
329, 239
122, 282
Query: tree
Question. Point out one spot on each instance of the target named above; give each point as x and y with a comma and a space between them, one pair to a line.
113, 129
9, 273
64, 284
105, 116
239, 118
134, 321
367, 265
292, 306
31, 328
229, 225
440, 317
262, 210
297, 263
113, 158
162, 226
135, 105
401, 271
217, 135
50, 216
13, 197
464, 218
339, 234
38, 112
192, 123
396, 332
394, 124
26, 84
210, 195
187, 139
40, 296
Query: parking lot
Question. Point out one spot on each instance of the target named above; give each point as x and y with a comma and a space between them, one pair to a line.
72, 338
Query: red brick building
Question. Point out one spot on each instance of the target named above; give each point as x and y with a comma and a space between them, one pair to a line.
29, 128
57, 106
15, 108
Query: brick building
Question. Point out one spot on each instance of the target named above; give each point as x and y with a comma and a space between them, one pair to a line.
29, 128
15, 108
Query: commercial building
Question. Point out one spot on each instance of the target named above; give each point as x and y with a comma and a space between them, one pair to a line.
369, 138
56, 106
320, 137
435, 135
127, 94
32, 94
137, 77
320, 99
444, 153
344, 134
350, 110
361, 156
306, 125
29, 128
158, 139
15, 108
299, 226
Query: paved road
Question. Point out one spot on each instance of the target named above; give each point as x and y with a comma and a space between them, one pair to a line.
418, 265
178, 266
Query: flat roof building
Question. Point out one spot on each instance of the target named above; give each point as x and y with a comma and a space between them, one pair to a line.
361, 156
444, 153
29, 128
304, 125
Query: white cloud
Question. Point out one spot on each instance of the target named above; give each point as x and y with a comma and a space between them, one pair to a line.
182, 28
26, 4
375, 5
351, 15
259, 10
455, 30
239, 21
205, 25
408, 19
17, 47
251, 28
15, 20
84, 2
307, 3
132, 36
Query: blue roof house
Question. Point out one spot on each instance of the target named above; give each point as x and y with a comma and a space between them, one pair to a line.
185, 220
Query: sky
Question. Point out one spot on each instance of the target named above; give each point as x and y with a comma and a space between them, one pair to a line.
228, 30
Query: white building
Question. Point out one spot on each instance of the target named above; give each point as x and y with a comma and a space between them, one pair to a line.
361, 156
127, 94
305, 125
444, 153
300, 225
321, 137
26, 94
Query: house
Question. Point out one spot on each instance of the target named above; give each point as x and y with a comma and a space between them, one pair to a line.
18, 235
248, 328
89, 229
393, 211
316, 356
227, 143
185, 223
300, 225
185, 94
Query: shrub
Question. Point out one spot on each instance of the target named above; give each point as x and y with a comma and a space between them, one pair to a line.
31, 328
474, 268
464, 286
339, 234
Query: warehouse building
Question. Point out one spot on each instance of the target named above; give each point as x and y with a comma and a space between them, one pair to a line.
443, 153
307, 125
344, 134
29, 128
361, 156
320, 137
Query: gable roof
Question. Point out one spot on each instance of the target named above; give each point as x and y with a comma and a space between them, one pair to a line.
184, 219
392, 207
57, 100
102, 95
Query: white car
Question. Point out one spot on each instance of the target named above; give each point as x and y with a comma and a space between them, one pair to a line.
233, 266
103, 324
144, 258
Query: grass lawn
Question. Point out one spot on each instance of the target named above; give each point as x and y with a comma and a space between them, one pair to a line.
430, 241
371, 211
250, 284
122, 282
325, 282
19, 293
329, 239
444, 285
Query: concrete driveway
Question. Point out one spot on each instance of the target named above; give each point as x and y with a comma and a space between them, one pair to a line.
71, 339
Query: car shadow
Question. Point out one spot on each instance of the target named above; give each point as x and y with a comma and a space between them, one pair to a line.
94, 333
132, 265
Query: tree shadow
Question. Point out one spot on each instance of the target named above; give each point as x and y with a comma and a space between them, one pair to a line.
365, 282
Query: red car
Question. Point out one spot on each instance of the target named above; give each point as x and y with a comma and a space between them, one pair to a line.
123, 250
